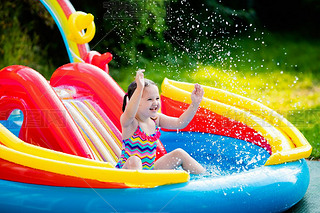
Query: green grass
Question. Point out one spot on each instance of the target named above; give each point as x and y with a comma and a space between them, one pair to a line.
280, 72
307, 121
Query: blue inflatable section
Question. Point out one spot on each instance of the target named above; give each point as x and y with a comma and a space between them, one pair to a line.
236, 181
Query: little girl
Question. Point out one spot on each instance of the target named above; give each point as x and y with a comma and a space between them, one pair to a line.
140, 123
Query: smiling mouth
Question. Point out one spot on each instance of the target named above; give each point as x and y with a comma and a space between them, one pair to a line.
154, 108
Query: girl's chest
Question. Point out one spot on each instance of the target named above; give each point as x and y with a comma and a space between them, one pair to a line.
149, 129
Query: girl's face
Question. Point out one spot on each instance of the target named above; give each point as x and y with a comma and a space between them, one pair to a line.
150, 101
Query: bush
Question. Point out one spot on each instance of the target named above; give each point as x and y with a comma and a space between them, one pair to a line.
163, 31
23, 40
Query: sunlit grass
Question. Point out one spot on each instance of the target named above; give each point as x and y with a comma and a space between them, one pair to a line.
278, 90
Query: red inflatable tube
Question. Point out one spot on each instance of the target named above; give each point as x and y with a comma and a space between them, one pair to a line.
46, 121
101, 61
14, 172
210, 122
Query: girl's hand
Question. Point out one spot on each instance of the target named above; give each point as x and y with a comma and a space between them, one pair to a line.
140, 79
169, 122
197, 94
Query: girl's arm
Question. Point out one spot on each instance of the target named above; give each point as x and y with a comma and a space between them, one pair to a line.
181, 122
128, 116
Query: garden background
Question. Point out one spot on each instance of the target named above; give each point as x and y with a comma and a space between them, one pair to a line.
265, 50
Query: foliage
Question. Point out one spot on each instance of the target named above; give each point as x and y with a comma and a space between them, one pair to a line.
22, 36
136, 31
131, 30
17, 44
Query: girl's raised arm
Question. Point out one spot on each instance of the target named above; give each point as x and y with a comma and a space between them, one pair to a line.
181, 122
131, 109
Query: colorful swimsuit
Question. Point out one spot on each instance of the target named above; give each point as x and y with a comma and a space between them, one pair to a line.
141, 145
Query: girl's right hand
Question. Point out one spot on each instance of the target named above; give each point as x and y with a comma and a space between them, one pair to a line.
140, 79
197, 94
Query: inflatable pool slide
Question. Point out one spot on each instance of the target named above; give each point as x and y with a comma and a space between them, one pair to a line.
60, 141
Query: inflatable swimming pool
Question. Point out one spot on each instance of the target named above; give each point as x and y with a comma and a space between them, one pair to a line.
244, 186
59, 142
236, 154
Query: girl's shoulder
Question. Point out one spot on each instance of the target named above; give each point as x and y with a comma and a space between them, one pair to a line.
123, 120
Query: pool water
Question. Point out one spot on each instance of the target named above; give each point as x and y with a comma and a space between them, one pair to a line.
220, 155
14, 122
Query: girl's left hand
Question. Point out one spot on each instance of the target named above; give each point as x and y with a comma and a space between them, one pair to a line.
197, 94
140, 79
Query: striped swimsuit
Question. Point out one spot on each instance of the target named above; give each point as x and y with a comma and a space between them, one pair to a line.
141, 145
